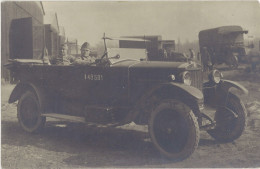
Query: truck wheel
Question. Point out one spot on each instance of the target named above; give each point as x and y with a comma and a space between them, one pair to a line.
230, 125
174, 129
28, 113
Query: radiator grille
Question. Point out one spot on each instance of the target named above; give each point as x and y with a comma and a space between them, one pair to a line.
196, 79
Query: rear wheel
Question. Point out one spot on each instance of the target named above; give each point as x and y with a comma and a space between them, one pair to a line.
174, 129
230, 121
28, 113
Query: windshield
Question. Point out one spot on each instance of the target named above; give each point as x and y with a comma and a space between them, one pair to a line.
126, 54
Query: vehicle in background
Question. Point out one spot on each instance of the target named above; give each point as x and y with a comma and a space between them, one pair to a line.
177, 57
157, 49
225, 44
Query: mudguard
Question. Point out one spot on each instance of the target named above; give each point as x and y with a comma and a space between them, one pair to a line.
176, 90
17, 92
227, 84
188, 90
22, 87
217, 94
188, 94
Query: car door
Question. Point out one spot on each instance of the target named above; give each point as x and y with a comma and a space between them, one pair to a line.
106, 85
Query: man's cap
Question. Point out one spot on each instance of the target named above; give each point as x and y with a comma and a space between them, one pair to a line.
85, 45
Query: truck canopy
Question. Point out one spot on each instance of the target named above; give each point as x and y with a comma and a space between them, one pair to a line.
225, 35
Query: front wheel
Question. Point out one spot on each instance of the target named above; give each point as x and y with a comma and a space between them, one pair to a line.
28, 113
230, 121
174, 129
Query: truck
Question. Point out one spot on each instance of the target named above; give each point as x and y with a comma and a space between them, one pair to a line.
224, 44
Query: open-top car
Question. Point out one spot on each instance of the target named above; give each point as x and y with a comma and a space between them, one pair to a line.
123, 87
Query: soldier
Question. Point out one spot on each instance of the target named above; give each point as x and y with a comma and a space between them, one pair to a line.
63, 58
254, 59
199, 57
85, 58
162, 54
66, 59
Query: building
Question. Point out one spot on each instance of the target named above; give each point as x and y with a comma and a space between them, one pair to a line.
62, 35
73, 47
52, 34
13, 13
27, 30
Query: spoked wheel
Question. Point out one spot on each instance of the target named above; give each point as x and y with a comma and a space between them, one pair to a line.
230, 121
28, 112
174, 129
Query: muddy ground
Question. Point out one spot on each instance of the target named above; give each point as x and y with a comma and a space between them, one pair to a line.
70, 145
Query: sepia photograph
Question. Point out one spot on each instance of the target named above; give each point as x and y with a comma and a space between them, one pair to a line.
130, 84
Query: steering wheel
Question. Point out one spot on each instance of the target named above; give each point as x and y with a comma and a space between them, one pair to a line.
102, 61
102, 57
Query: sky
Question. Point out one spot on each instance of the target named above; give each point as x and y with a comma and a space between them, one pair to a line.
87, 21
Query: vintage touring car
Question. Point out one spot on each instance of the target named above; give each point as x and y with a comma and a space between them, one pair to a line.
123, 87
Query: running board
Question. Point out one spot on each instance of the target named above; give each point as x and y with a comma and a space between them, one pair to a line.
77, 119
65, 117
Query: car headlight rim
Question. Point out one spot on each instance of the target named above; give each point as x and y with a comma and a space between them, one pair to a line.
186, 78
215, 76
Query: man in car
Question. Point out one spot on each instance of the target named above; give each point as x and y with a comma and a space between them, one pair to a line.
85, 58
66, 59
62, 58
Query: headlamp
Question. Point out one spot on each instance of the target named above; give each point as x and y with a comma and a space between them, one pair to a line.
186, 78
215, 76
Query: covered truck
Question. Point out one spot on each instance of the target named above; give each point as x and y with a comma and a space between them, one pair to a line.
225, 44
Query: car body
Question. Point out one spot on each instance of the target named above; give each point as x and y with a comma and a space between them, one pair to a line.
123, 87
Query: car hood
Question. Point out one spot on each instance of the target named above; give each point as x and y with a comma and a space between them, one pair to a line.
156, 65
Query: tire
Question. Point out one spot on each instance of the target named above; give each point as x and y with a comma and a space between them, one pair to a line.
174, 129
28, 113
228, 127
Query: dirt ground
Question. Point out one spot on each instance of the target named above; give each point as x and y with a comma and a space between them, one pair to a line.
71, 145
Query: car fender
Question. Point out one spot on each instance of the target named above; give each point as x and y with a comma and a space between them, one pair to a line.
186, 89
22, 87
227, 84
217, 94
223, 91
188, 94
